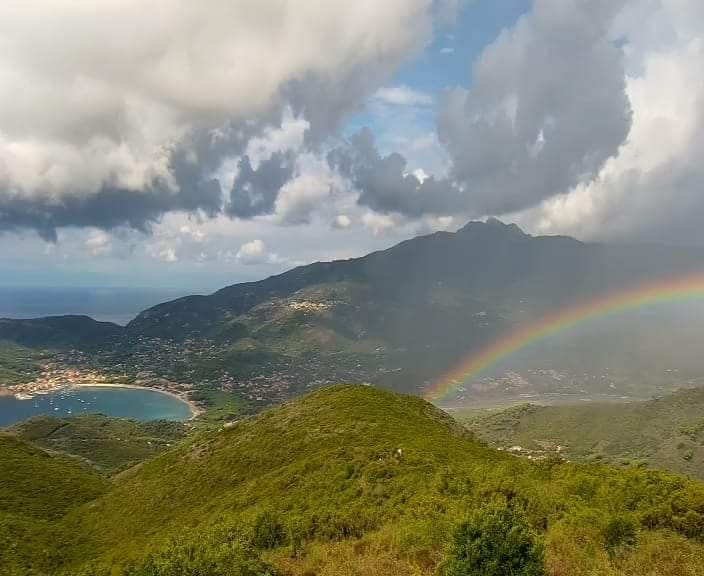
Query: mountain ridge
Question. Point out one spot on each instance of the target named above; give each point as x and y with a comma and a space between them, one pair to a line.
354, 479
397, 317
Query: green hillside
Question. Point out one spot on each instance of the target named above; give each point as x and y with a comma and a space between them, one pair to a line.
36, 491
110, 444
58, 332
665, 433
354, 480
18, 364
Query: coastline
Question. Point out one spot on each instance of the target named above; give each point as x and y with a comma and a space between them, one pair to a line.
195, 409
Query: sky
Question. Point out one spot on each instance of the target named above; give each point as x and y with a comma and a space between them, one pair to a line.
197, 145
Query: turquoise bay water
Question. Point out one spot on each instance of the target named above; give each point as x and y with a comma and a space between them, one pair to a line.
133, 403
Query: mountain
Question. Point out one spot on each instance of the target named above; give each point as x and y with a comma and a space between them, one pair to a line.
356, 480
109, 444
400, 317
666, 433
397, 318
36, 491
59, 332
438, 281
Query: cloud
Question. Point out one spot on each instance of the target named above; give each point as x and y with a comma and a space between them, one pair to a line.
379, 224
255, 190
253, 252
403, 96
546, 108
99, 243
115, 116
585, 117
653, 189
341, 222
300, 197
167, 254
386, 186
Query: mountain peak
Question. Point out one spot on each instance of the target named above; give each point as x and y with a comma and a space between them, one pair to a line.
492, 225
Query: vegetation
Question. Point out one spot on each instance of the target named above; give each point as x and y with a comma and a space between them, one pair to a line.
36, 491
220, 407
619, 533
667, 433
38, 485
17, 363
215, 553
109, 444
496, 541
58, 332
354, 480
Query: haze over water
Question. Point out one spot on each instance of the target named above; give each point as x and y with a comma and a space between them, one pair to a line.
108, 304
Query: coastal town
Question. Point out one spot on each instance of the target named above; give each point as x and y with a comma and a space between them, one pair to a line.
54, 377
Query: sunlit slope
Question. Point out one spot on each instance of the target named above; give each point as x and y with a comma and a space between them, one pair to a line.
108, 444
351, 456
36, 490
36, 484
352, 479
664, 433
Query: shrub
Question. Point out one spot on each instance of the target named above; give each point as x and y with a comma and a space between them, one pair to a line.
268, 531
202, 559
619, 533
495, 541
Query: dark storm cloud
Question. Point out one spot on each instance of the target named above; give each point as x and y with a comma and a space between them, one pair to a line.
255, 190
190, 164
107, 209
547, 107
384, 184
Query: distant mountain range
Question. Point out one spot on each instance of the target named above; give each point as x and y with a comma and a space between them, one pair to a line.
417, 306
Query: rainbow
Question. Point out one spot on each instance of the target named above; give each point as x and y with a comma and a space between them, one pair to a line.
646, 294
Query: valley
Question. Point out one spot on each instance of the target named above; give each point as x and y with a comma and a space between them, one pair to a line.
665, 433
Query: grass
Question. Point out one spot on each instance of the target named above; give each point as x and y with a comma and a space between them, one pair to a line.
36, 490
667, 433
219, 407
355, 480
36, 484
109, 444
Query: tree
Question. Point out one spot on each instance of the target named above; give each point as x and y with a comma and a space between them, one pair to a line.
495, 541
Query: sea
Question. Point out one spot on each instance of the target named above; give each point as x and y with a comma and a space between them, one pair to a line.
133, 403
118, 305
107, 304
